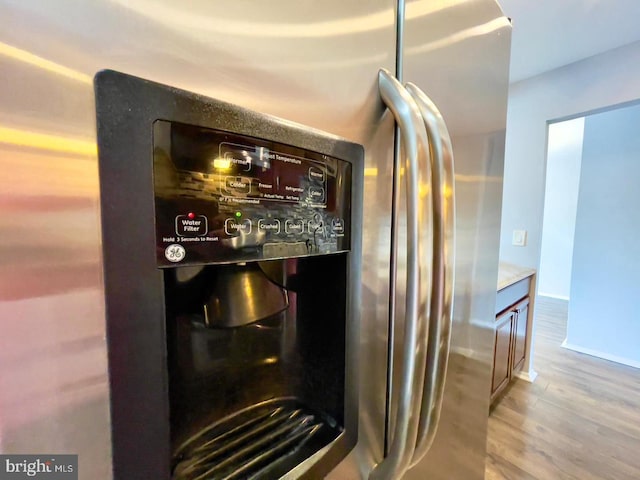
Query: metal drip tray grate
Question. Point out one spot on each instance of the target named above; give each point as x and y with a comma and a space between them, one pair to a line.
262, 441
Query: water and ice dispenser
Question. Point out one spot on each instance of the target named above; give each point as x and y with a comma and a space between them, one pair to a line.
231, 254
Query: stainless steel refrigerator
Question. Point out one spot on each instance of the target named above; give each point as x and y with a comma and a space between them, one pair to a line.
421, 85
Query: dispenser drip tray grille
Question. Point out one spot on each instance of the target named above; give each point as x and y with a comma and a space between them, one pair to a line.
265, 440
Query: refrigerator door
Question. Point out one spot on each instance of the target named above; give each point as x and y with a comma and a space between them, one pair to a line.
458, 55
314, 63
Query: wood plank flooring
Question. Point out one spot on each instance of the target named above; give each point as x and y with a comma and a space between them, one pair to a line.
579, 420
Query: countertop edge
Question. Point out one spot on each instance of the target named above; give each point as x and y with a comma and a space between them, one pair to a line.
508, 274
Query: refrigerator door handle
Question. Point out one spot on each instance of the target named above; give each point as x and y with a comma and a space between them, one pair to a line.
442, 282
416, 147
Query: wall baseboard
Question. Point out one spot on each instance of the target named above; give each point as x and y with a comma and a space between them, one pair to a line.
552, 295
605, 356
529, 376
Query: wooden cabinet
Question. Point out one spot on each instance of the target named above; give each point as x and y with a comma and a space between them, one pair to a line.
521, 314
511, 327
502, 353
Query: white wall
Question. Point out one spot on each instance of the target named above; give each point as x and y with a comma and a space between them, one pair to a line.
604, 318
603, 80
564, 155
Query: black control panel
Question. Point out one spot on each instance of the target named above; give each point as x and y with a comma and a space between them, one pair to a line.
222, 197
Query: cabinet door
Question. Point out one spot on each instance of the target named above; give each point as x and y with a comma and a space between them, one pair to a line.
502, 353
520, 333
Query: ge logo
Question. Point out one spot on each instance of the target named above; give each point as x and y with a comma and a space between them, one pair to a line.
174, 253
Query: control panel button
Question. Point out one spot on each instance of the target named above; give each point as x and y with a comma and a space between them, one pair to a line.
269, 225
316, 194
316, 175
233, 226
237, 185
294, 226
191, 225
316, 224
240, 156
337, 225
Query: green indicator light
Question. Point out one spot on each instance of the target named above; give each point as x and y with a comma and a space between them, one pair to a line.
238, 214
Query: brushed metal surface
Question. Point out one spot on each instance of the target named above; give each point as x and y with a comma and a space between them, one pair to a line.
459, 57
314, 63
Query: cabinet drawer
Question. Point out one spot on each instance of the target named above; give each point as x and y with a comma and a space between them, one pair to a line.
512, 294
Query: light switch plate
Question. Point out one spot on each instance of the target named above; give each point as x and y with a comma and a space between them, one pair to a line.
519, 238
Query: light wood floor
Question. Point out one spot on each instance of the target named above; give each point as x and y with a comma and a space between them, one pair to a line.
579, 420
